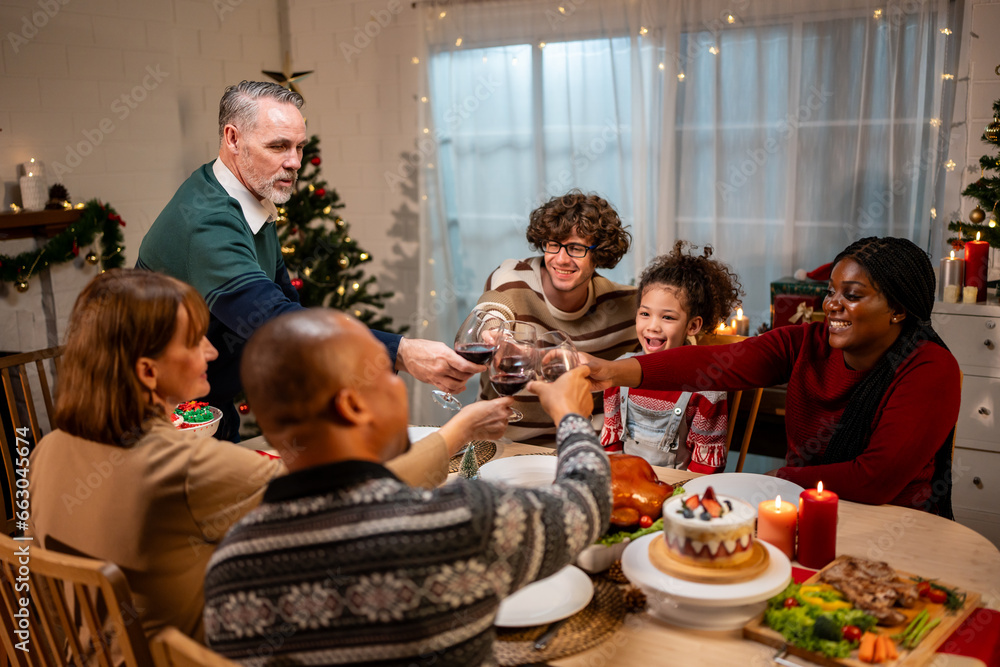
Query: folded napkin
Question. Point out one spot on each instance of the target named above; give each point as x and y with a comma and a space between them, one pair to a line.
977, 637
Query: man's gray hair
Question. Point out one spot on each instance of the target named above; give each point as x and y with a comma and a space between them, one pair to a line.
238, 105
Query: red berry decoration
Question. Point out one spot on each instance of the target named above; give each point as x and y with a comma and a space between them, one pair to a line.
320, 192
297, 283
244, 408
315, 161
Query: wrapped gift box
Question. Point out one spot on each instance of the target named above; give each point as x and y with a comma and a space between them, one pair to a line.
796, 309
815, 290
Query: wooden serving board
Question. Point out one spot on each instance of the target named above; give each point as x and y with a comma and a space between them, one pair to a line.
759, 632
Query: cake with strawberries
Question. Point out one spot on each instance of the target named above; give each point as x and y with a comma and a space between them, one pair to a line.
709, 530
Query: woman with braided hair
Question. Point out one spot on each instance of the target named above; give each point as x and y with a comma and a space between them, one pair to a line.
873, 392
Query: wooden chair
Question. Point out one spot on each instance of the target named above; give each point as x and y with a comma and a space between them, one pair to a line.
80, 610
173, 648
734, 401
27, 430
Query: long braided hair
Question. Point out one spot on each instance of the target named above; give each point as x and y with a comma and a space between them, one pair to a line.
904, 275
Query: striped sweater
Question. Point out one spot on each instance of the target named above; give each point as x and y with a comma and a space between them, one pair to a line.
603, 327
345, 564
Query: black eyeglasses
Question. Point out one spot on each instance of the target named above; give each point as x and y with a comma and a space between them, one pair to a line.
577, 250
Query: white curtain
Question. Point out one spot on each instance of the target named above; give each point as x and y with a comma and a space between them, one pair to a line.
776, 131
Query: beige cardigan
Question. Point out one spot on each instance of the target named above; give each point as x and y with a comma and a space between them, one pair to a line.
159, 508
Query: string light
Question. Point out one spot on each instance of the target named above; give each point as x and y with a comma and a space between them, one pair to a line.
427, 130
877, 14
730, 19
356, 287
933, 213
415, 60
662, 66
935, 122
458, 42
424, 99
433, 293
363, 256
950, 165
562, 10
714, 50
945, 31
326, 210
947, 77
680, 76
442, 15
643, 30
541, 45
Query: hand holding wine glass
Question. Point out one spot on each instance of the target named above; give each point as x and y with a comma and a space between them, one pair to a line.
475, 341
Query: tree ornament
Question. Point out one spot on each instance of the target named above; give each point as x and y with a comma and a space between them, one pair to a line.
320, 192
315, 161
91, 258
343, 262
992, 131
977, 215
21, 286
469, 467
297, 283
76, 249
244, 408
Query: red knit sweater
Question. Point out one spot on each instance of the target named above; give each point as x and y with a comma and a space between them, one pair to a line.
914, 417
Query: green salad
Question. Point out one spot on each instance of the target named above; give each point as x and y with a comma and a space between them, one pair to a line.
812, 628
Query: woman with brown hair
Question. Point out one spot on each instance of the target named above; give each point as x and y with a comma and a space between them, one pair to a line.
118, 482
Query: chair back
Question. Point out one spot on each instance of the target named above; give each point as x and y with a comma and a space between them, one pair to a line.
173, 648
27, 430
734, 401
79, 610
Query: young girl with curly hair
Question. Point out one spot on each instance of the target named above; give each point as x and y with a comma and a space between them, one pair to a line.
680, 295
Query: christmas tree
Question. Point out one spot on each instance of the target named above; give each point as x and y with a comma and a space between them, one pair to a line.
986, 191
323, 260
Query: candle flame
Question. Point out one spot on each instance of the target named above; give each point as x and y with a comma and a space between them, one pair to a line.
953, 254
739, 313
734, 323
777, 503
977, 236
819, 487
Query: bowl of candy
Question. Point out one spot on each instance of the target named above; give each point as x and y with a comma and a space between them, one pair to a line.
197, 417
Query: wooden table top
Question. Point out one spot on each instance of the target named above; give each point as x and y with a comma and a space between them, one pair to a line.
909, 540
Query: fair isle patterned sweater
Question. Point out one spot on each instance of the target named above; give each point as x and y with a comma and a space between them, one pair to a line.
603, 327
345, 564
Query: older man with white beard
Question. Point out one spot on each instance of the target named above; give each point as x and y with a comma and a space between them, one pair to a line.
217, 233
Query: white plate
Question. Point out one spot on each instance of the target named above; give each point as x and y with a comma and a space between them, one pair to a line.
748, 486
548, 600
418, 433
698, 605
520, 470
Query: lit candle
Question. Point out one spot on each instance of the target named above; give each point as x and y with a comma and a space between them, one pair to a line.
817, 527
952, 274
776, 524
977, 265
741, 325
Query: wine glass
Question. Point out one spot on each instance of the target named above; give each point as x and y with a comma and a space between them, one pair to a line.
513, 363
475, 341
556, 354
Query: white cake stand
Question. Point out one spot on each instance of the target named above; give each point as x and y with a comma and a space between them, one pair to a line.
704, 606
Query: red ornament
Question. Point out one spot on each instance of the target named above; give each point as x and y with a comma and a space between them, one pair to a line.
76, 249
297, 283
293, 230
320, 192
315, 161
244, 408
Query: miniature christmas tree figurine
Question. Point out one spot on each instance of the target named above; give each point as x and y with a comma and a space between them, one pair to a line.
986, 191
323, 261
469, 467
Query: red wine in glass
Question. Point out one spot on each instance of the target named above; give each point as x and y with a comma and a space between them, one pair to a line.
508, 384
553, 371
477, 353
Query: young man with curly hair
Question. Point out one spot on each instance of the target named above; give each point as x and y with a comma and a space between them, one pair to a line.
575, 234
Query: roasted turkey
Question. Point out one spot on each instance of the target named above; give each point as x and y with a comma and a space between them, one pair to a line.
635, 490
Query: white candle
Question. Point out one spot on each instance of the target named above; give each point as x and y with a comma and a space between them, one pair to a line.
970, 294
951, 293
741, 324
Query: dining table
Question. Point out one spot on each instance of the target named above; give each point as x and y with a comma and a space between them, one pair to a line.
910, 541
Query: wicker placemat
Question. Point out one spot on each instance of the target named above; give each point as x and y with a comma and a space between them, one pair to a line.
485, 450
588, 628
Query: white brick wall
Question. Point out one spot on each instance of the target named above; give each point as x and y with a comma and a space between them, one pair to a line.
71, 74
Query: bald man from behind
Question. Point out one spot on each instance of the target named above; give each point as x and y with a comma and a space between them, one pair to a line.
345, 564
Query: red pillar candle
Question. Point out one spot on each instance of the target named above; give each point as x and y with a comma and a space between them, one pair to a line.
776, 524
817, 527
977, 255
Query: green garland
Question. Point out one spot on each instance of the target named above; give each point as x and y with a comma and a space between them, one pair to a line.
95, 218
